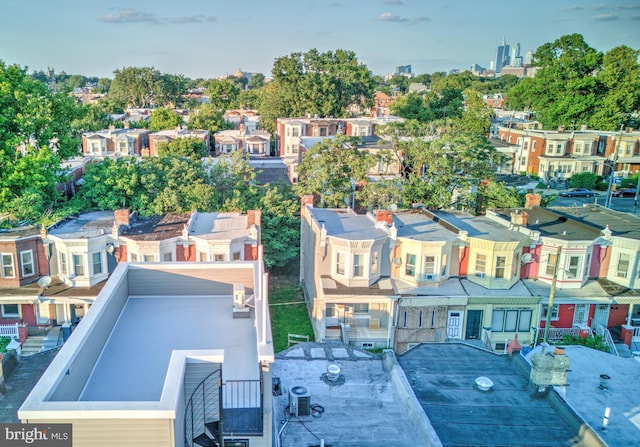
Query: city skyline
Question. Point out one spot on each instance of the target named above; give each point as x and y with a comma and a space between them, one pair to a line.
210, 39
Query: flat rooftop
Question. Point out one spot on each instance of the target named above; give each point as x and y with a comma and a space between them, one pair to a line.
345, 224
443, 375
622, 394
371, 408
135, 360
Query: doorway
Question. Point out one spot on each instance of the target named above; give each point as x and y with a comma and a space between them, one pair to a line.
474, 324
454, 324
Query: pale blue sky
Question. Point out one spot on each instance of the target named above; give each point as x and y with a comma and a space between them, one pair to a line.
209, 38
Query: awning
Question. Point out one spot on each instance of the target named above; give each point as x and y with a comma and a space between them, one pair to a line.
504, 300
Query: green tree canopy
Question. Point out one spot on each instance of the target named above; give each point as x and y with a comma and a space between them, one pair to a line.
223, 94
184, 147
164, 119
146, 87
207, 117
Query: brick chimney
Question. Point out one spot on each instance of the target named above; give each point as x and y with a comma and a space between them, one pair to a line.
126, 124
121, 217
385, 216
308, 199
253, 217
532, 200
519, 218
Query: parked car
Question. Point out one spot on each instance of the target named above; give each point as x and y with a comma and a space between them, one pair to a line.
578, 192
624, 192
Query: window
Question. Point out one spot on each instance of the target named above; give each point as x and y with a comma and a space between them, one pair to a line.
443, 266
236, 255
552, 260
96, 259
294, 148
410, 267
133, 257
404, 319
623, 265
574, 264
167, 257
429, 265
26, 259
374, 263
358, 267
203, 257
481, 265
330, 310
340, 257
78, 265
587, 265
218, 258
511, 320
501, 263
10, 311
149, 258
420, 319
361, 308
63, 263
516, 265
295, 131
7, 266
554, 312
433, 319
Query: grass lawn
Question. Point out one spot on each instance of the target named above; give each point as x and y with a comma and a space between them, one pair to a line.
287, 318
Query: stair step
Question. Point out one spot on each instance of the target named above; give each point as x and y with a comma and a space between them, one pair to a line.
205, 441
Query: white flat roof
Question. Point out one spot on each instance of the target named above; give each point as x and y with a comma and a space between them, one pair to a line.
134, 361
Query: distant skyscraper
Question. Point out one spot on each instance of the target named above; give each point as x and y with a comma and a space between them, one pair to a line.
516, 59
403, 69
502, 56
528, 57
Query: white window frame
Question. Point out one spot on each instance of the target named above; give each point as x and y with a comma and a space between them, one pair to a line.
23, 263
99, 263
623, 273
430, 265
83, 270
410, 267
341, 263
11, 266
6, 314
64, 263
503, 316
480, 273
554, 312
501, 267
358, 265
167, 255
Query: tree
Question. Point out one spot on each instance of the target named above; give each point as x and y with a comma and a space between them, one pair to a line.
103, 86
233, 179
256, 82
163, 119
331, 169
146, 87
208, 118
184, 147
565, 90
620, 76
93, 118
476, 117
280, 226
317, 83
112, 184
222, 94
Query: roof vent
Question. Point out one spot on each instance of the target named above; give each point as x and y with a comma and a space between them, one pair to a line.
484, 383
240, 309
333, 372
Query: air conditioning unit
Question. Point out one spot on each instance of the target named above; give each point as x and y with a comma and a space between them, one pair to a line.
299, 401
480, 274
429, 277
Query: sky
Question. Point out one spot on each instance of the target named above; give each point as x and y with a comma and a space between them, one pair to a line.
212, 38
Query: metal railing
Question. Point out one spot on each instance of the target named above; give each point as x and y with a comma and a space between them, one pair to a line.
558, 333
204, 406
9, 330
242, 411
606, 335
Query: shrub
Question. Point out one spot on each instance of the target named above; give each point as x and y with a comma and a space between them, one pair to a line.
592, 341
583, 180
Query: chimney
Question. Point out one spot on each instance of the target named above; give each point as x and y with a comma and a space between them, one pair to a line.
385, 216
121, 217
532, 200
43, 232
126, 124
253, 218
519, 218
112, 128
307, 200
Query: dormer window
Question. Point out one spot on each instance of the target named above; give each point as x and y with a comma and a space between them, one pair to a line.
340, 261
622, 269
358, 266
410, 265
374, 263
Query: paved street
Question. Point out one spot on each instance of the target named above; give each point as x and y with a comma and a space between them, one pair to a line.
624, 204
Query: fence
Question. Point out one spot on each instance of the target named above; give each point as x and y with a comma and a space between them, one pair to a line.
293, 339
9, 330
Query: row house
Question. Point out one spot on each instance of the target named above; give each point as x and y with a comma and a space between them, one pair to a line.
167, 136
255, 143
52, 276
115, 142
557, 155
443, 275
290, 133
248, 118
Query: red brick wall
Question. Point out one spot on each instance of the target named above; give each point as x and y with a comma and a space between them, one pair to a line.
250, 252
29, 314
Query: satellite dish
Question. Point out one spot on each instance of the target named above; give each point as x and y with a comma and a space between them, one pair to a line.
397, 261
45, 281
527, 258
393, 207
111, 248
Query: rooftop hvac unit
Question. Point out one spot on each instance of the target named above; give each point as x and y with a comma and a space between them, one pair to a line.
299, 401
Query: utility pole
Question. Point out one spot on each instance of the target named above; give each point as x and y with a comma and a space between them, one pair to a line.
635, 199
552, 294
613, 168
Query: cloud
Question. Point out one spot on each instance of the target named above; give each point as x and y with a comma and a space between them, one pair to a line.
600, 7
574, 8
606, 18
392, 2
391, 17
128, 15
629, 7
636, 17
